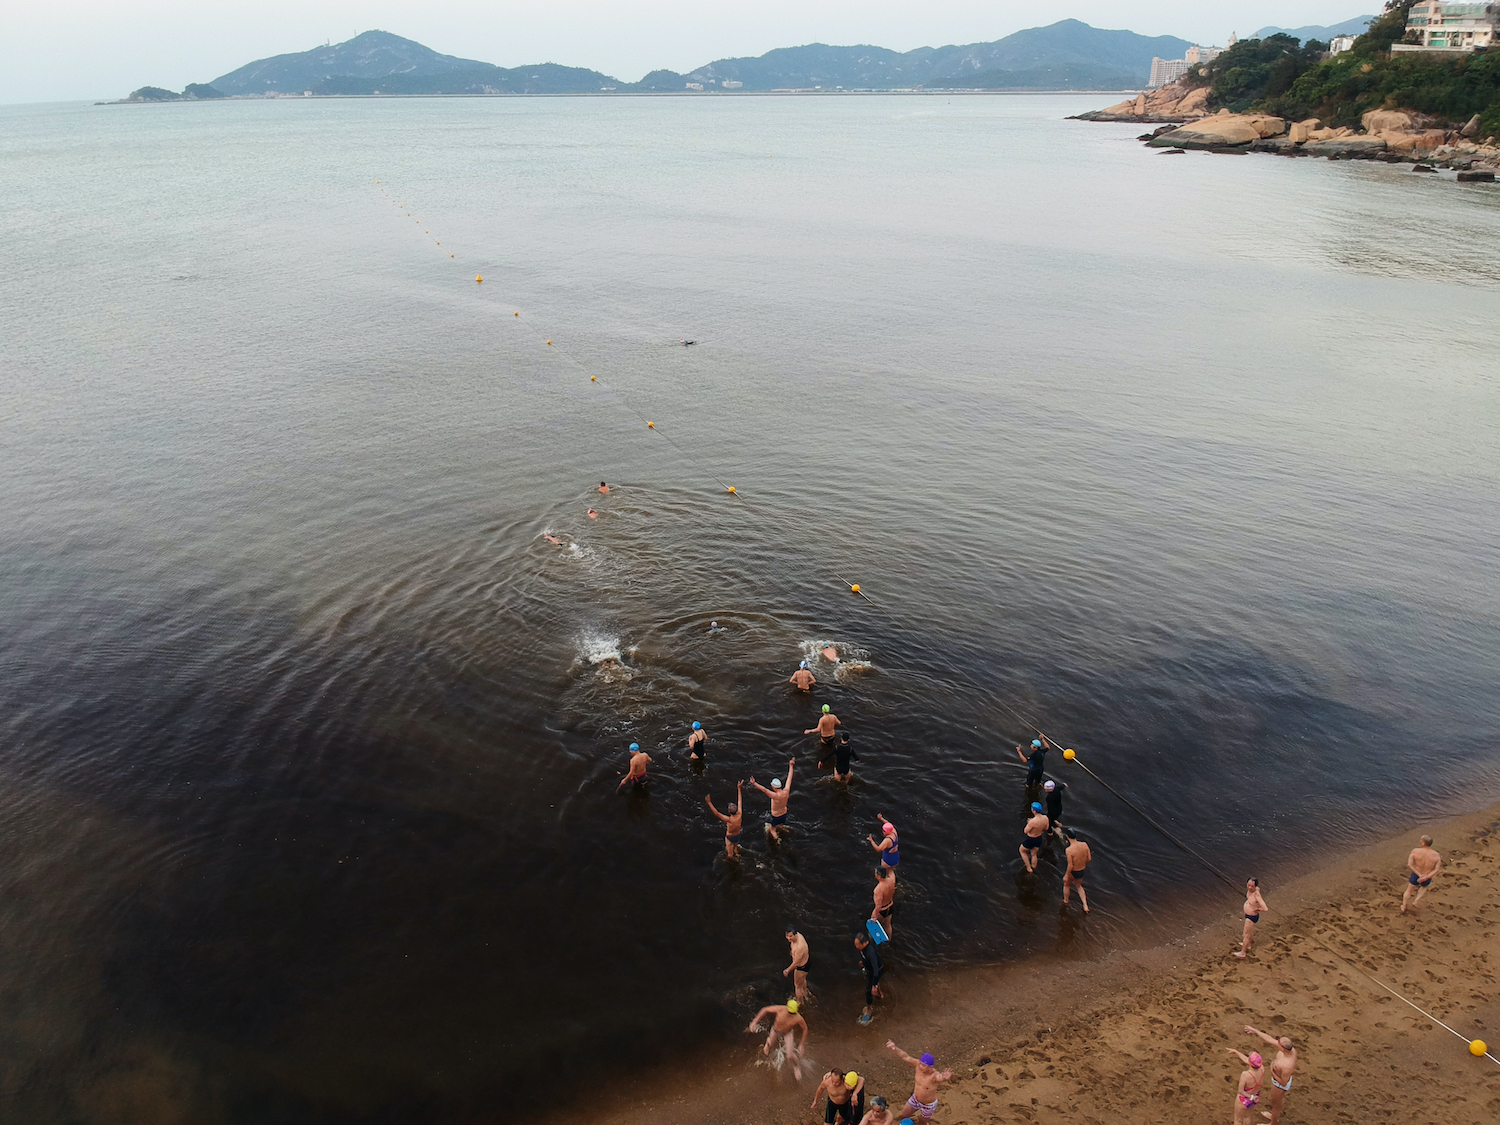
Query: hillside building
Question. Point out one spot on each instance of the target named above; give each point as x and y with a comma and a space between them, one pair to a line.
1196, 54
1339, 44
1441, 25
1165, 71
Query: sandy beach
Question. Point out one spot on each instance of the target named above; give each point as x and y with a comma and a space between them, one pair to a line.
1141, 1036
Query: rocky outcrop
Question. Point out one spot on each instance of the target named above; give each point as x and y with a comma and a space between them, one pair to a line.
1425, 141
1222, 130
1386, 121
1166, 105
1345, 147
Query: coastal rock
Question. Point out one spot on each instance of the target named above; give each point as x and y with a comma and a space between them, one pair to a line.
1479, 176
1345, 146
1296, 132
1222, 129
1424, 141
1472, 128
1174, 102
1386, 121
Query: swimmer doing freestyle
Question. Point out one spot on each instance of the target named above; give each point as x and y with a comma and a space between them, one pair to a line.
779, 795
784, 1024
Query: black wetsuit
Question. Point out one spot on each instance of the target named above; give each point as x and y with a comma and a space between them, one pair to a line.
1037, 762
842, 756
1054, 803
869, 961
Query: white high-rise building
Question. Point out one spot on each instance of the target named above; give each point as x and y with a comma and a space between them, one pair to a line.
1164, 71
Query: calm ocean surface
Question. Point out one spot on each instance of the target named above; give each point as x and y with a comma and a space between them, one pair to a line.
309, 742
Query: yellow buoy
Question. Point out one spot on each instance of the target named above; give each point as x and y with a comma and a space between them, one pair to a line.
450, 255
593, 378
479, 277
650, 425
854, 589
549, 343
1479, 1048
731, 488
1068, 754
518, 314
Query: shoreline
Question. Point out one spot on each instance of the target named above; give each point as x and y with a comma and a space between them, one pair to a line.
1141, 1034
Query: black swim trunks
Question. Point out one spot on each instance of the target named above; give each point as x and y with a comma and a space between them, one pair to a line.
841, 760
1414, 881
1031, 843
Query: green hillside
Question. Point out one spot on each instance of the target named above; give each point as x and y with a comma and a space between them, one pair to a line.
1276, 75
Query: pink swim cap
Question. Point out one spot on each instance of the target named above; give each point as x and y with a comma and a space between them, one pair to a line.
888, 828
1255, 1059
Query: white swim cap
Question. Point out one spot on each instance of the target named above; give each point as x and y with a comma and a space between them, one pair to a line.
803, 664
776, 783
713, 624
1051, 785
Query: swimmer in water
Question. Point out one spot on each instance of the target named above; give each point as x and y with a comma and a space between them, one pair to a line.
801, 962
638, 762
889, 846
1079, 855
697, 743
603, 488
554, 540
784, 1023
843, 770
779, 795
802, 679
1035, 832
825, 730
593, 515
713, 627
885, 899
732, 822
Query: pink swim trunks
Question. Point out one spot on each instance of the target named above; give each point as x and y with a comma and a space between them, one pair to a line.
926, 1109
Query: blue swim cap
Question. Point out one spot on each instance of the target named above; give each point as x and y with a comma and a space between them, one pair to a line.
697, 727
1035, 807
1036, 742
634, 746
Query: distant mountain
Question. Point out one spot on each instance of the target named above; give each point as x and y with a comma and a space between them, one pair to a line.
1065, 55
1356, 26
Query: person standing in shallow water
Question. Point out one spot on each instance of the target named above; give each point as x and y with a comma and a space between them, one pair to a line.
1423, 865
888, 847
1033, 835
1036, 762
732, 822
802, 679
1254, 905
1078, 854
779, 795
825, 731
697, 742
785, 1023
639, 759
869, 963
885, 898
801, 962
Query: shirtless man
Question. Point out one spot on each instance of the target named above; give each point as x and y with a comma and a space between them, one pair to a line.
924, 1097
784, 1022
1282, 1067
1423, 864
802, 679
1247, 1095
638, 762
604, 488
732, 822
801, 961
1035, 833
880, 1113
779, 795
825, 730
1078, 854
885, 898
697, 742
1254, 904
846, 1097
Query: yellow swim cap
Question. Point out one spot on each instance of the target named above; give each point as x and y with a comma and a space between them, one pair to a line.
791, 1006
851, 1080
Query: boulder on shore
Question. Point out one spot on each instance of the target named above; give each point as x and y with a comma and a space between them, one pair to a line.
1425, 141
1345, 146
1386, 121
1221, 130
1170, 103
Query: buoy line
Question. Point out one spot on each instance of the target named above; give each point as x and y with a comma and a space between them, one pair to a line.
1477, 1047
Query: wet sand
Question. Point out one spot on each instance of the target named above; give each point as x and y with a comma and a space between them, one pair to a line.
1141, 1036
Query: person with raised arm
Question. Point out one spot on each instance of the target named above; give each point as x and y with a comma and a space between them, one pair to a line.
1247, 1095
784, 1023
780, 795
1282, 1068
924, 1095
889, 845
732, 821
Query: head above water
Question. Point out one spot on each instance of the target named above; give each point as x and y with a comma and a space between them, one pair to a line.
826, 709
861, 939
883, 872
1036, 806
1252, 884
1049, 787
776, 783
888, 828
1068, 832
791, 930
928, 1060
634, 746
733, 808
697, 725
803, 666
1036, 743
713, 624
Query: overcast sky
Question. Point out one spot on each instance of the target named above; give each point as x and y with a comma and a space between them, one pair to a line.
54, 50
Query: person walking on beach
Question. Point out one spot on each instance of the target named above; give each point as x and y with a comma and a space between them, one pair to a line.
802, 679
1036, 761
846, 1097
1247, 1096
1054, 794
885, 898
801, 960
785, 1023
869, 962
825, 730
697, 742
842, 769
1423, 865
732, 822
1282, 1067
639, 759
879, 1114
1078, 855
888, 847
779, 795
1254, 905
1033, 835
924, 1096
